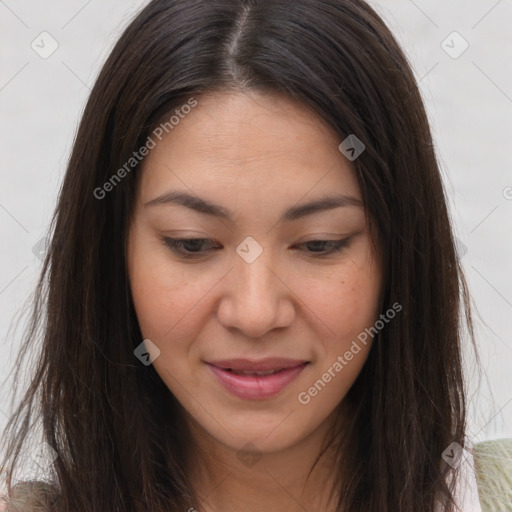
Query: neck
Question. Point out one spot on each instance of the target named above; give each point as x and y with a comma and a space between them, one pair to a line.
227, 480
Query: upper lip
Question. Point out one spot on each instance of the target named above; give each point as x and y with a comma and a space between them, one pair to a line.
271, 363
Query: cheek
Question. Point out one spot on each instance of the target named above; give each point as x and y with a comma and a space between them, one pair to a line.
348, 306
164, 298
348, 303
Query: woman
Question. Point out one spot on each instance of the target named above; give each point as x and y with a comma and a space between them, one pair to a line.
253, 295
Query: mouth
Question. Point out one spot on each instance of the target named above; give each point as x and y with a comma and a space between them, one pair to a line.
256, 380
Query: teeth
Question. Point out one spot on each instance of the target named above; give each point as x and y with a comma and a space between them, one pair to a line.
267, 372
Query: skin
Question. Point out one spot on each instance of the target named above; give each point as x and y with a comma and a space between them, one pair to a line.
257, 155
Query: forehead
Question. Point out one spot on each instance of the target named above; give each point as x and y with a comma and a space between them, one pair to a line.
249, 143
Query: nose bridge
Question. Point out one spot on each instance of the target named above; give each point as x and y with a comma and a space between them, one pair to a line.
254, 302
252, 270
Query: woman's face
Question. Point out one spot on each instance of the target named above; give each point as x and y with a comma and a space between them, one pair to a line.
259, 291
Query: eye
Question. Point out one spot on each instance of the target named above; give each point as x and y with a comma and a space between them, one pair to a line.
333, 246
195, 247
188, 247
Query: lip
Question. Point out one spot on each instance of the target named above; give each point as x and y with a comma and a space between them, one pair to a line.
248, 365
256, 387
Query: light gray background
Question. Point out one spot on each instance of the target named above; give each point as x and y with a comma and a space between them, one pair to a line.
469, 100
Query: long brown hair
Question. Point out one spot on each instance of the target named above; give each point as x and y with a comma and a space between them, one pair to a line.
111, 421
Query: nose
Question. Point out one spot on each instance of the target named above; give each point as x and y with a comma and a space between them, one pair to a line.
256, 298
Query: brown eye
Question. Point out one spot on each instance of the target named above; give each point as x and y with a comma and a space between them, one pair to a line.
326, 247
191, 247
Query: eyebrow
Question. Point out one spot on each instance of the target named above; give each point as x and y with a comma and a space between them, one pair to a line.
295, 212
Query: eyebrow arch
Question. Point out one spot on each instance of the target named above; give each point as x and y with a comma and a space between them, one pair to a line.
295, 212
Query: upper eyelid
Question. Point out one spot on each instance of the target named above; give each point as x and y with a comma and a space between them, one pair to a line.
187, 239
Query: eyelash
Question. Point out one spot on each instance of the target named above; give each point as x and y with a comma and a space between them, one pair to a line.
174, 245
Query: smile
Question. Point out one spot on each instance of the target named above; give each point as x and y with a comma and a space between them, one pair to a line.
256, 380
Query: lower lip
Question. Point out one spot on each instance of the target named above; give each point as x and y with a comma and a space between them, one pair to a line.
256, 387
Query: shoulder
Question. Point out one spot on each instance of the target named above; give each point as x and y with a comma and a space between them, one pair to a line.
485, 476
493, 469
30, 496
